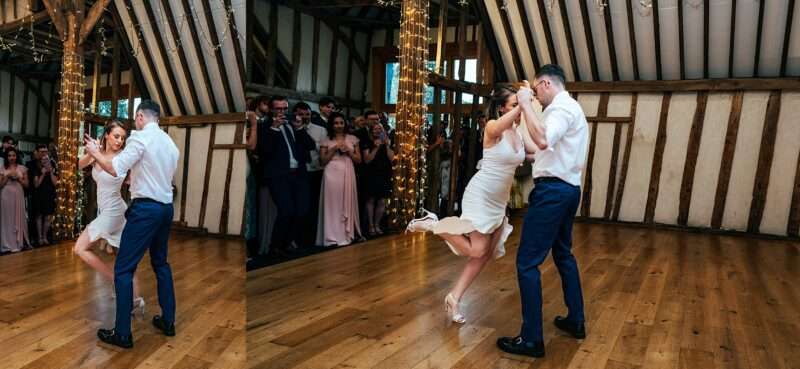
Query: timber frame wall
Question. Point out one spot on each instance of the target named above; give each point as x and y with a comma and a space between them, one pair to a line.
27, 109
211, 174
707, 154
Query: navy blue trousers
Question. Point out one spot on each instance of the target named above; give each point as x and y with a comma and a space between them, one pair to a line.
548, 225
147, 228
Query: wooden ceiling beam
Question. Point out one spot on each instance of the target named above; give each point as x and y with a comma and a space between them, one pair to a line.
138, 77
706, 21
91, 19
187, 75
212, 32
162, 52
149, 61
491, 40
657, 38
528, 35
206, 78
632, 39
726, 84
732, 39
787, 36
587, 31
562, 6
681, 40
548, 34
53, 8
237, 45
759, 32
612, 50
35, 18
512, 44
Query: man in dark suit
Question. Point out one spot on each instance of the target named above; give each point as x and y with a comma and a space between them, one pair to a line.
283, 148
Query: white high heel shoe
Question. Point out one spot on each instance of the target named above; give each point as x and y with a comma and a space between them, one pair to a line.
138, 304
424, 224
451, 307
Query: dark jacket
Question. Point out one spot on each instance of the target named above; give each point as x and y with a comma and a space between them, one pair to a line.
273, 153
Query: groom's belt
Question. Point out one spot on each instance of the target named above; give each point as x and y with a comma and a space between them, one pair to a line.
147, 199
548, 179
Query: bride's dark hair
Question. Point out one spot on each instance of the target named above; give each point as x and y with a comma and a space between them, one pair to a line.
110, 128
500, 96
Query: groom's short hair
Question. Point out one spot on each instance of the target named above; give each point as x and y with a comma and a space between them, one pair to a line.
151, 106
554, 71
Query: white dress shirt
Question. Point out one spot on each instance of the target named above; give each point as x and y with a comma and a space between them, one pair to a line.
293, 164
317, 133
152, 158
567, 135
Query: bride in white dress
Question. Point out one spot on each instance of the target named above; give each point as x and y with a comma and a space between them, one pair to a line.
111, 209
482, 229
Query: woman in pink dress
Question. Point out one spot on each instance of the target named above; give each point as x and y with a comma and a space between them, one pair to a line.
13, 181
338, 216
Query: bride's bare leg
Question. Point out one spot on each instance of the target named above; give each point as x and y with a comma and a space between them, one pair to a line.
83, 250
136, 292
475, 245
475, 264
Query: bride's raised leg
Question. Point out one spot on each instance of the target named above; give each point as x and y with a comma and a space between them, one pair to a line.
475, 245
83, 250
471, 270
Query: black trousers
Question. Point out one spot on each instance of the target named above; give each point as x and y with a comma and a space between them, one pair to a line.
291, 196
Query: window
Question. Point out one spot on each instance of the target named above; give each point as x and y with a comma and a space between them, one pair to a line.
393, 81
393, 84
104, 108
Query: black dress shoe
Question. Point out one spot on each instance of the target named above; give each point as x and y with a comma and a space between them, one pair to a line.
111, 337
516, 346
574, 329
167, 328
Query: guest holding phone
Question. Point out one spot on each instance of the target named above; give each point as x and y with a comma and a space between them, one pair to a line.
378, 156
45, 180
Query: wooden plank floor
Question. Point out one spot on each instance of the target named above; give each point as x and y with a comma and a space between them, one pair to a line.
51, 306
654, 299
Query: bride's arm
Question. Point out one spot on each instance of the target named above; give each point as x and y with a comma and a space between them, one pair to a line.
495, 128
85, 161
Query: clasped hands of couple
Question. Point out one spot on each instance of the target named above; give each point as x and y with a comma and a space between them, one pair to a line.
525, 93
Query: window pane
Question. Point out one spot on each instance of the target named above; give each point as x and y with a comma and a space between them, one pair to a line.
392, 82
104, 108
122, 109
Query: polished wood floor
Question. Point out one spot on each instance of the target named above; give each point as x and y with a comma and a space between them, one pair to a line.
654, 299
51, 306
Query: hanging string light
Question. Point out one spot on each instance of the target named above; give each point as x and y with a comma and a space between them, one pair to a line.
411, 110
69, 202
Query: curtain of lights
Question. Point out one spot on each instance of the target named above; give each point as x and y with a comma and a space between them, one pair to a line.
69, 197
411, 109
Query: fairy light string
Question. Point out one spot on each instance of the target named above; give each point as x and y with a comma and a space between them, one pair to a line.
411, 109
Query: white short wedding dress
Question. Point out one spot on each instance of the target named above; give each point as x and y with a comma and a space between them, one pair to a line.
111, 208
487, 194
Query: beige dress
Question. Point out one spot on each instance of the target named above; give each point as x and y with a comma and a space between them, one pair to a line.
13, 219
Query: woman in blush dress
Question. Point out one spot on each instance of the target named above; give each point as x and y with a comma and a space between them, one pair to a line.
338, 217
482, 229
111, 209
13, 182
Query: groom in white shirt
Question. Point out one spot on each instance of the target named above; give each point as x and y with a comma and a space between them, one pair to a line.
151, 157
562, 138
